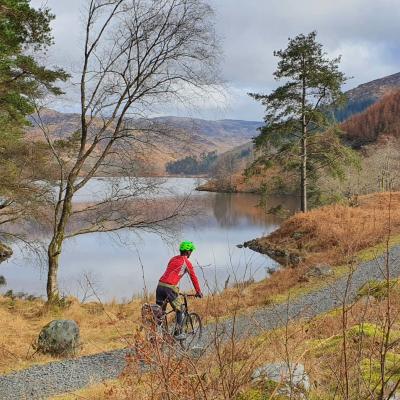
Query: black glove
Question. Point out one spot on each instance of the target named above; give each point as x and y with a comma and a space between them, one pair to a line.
199, 295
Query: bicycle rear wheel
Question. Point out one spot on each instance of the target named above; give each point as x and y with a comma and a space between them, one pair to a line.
193, 330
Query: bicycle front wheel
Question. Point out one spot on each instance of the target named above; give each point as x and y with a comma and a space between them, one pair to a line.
193, 330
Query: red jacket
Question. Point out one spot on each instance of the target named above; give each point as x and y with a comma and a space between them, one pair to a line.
177, 267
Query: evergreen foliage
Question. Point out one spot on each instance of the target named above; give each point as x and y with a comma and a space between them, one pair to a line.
192, 165
299, 134
24, 31
352, 108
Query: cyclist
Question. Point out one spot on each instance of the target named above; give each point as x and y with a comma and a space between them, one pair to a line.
167, 289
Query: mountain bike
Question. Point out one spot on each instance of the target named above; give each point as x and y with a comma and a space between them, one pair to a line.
156, 320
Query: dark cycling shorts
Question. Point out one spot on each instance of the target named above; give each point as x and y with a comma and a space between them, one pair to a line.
165, 295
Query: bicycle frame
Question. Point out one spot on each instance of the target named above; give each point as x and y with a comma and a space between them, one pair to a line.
160, 322
184, 309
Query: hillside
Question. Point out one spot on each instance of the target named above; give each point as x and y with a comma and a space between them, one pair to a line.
366, 94
376, 124
374, 89
219, 128
178, 136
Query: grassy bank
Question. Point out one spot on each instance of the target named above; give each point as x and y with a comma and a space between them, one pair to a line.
102, 327
340, 235
333, 233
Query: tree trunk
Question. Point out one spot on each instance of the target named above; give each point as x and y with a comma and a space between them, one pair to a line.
55, 246
303, 183
304, 171
53, 253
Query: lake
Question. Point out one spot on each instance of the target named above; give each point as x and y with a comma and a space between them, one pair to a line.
121, 266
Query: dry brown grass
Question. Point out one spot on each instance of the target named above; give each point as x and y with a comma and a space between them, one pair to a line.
102, 328
331, 233
224, 372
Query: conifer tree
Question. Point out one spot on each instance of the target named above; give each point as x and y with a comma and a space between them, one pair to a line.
24, 33
298, 132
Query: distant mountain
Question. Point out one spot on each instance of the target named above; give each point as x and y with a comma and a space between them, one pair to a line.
228, 128
366, 94
220, 128
374, 89
183, 136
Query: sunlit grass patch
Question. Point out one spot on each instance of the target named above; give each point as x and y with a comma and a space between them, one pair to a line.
372, 370
377, 250
112, 326
378, 288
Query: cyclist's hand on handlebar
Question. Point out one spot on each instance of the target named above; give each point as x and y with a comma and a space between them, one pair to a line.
199, 295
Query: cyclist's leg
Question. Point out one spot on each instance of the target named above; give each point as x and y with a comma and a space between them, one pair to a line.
179, 314
166, 295
161, 297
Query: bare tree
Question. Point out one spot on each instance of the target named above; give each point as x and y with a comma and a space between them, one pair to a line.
137, 54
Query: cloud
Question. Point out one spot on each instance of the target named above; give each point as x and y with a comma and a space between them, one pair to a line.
365, 32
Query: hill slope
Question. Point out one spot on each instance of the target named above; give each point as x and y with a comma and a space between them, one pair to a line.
366, 94
190, 136
374, 111
376, 124
374, 89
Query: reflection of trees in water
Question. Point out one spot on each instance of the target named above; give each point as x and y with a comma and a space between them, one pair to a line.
232, 209
223, 210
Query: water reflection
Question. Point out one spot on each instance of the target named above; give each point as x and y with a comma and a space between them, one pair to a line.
235, 209
118, 263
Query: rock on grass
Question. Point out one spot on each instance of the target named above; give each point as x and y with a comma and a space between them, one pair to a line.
59, 338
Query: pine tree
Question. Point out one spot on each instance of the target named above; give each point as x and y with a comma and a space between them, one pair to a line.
24, 32
298, 131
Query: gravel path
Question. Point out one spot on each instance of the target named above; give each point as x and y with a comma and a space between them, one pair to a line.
311, 304
42, 381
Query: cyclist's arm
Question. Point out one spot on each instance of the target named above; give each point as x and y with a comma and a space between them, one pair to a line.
193, 276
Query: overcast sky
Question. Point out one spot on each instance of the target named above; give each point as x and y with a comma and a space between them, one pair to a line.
365, 32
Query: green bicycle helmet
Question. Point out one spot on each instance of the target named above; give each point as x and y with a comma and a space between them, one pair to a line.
187, 246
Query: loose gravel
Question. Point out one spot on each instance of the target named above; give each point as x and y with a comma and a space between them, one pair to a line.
43, 381
334, 295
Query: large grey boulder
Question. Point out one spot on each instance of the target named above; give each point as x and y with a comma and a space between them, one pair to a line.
59, 338
292, 378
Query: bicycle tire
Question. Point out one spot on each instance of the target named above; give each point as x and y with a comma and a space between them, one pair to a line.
193, 329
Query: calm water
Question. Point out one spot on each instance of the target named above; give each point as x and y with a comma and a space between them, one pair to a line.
116, 265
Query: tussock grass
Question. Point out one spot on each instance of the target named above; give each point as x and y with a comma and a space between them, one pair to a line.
102, 328
338, 234
331, 233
